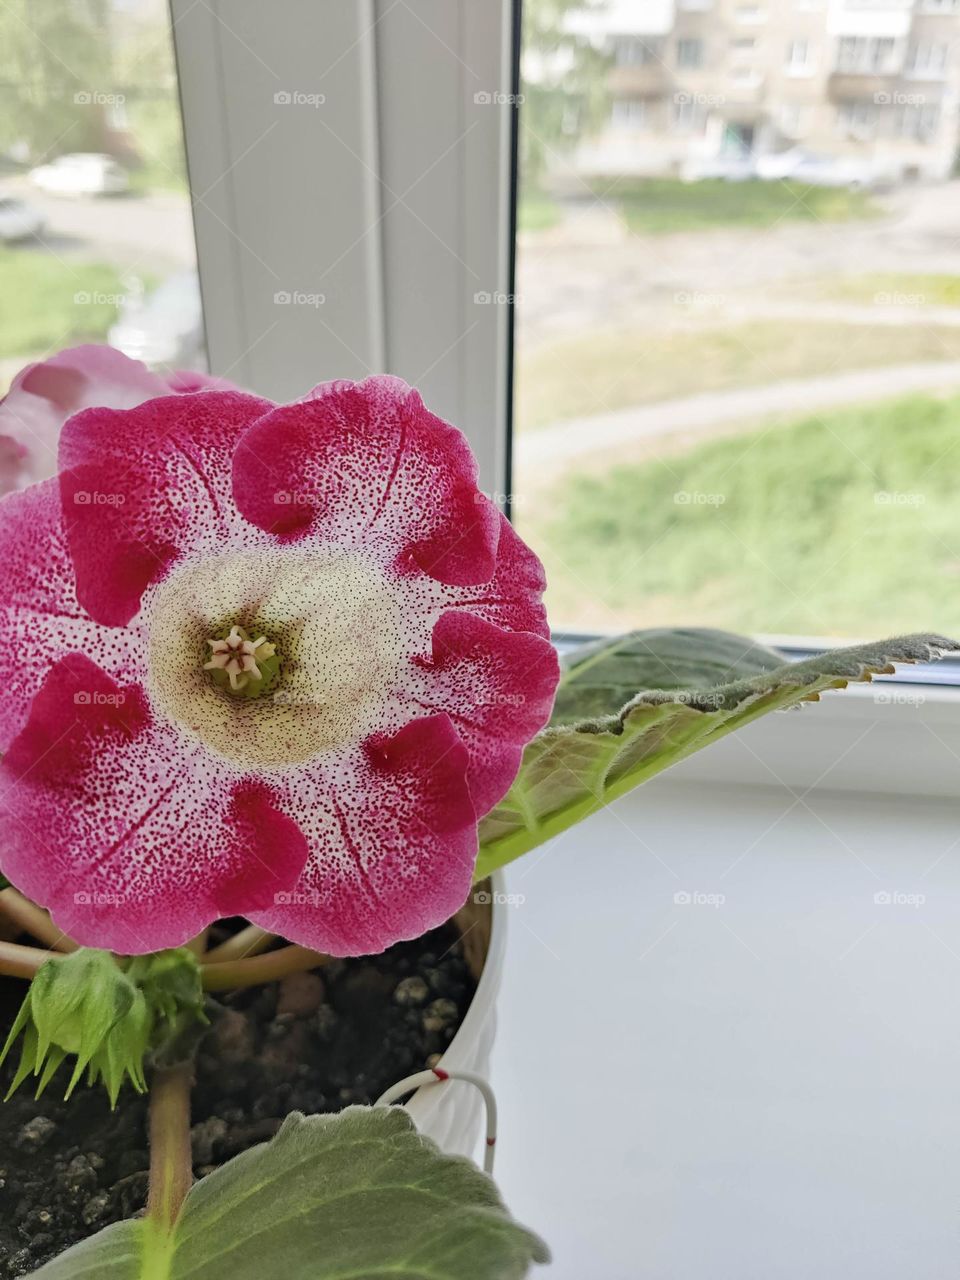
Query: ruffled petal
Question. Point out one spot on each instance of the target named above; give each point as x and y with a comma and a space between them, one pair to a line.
42, 396
393, 840
40, 617
142, 486
186, 381
497, 687
367, 464
132, 839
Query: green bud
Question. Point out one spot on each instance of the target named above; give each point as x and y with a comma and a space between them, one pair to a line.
106, 1013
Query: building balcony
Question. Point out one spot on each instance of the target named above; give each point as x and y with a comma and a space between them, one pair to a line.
854, 84
645, 80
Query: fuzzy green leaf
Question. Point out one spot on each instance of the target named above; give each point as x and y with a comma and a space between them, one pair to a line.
360, 1194
570, 770
600, 677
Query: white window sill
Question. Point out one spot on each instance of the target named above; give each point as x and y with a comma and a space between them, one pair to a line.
761, 1088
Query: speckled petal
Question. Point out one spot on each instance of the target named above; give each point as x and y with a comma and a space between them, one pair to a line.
40, 617
366, 463
141, 487
393, 840
132, 840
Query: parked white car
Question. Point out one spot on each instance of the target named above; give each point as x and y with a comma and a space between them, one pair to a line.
18, 220
820, 170
81, 174
731, 166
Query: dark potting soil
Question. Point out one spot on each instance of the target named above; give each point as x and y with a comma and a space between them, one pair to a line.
312, 1042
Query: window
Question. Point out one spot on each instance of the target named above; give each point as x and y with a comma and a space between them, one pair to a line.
928, 59
917, 121
629, 113
866, 54
690, 53
749, 13
96, 233
799, 57
743, 44
637, 50
670, 457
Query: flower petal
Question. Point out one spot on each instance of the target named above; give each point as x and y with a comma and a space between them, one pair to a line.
367, 463
138, 487
42, 396
40, 617
393, 841
497, 686
186, 381
133, 842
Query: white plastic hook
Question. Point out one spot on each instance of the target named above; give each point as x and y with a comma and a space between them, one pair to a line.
437, 1075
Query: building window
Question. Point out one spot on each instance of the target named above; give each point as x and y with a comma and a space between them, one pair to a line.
637, 51
749, 13
690, 53
940, 6
793, 119
857, 118
629, 114
928, 58
866, 54
688, 116
799, 55
744, 44
917, 122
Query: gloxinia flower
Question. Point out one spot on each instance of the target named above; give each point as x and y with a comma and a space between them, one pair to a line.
260, 660
42, 396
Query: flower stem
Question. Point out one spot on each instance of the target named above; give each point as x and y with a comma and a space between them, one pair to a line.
30, 918
248, 942
228, 974
21, 962
171, 1166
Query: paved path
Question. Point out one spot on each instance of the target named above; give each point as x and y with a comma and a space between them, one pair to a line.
543, 453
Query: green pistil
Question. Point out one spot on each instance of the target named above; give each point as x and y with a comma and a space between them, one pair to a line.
246, 666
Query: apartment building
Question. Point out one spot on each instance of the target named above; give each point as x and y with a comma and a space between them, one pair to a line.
869, 88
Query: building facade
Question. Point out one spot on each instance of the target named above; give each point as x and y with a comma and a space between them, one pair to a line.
865, 90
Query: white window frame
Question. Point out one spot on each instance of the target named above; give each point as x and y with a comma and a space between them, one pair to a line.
281, 200
396, 210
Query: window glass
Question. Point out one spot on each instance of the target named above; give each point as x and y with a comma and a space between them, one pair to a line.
737, 394
96, 236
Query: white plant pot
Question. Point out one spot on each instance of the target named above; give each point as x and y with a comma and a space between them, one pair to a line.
451, 1111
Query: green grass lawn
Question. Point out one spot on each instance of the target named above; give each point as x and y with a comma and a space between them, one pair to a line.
619, 368
895, 289
50, 305
791, 531
536, 212
655, 205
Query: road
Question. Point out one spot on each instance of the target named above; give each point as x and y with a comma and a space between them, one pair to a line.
151, 233
627, 434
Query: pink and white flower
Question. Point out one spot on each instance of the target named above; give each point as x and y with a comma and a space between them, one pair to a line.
42, 396
389, 663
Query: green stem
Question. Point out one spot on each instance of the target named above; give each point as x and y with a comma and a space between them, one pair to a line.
30, 918
171, 1165
256, 969
248, 942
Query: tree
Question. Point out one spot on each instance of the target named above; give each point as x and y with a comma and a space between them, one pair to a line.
564, 84
54, 61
